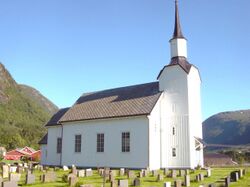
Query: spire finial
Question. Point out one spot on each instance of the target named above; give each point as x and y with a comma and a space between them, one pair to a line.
177, 26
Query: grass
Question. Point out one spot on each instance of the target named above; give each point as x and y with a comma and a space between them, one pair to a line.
97, 181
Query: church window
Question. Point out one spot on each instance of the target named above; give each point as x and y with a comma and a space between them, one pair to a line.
59, 145
78, 143
173, 130
125, 142
100, 143
174, 152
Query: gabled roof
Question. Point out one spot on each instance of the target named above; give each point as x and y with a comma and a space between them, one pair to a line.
44, 140
119, 102
56, 117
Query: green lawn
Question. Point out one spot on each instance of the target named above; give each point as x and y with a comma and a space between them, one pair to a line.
217, 174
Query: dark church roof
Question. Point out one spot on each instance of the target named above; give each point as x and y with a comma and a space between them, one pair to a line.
44, 139
179, 60
119, 102
56, 117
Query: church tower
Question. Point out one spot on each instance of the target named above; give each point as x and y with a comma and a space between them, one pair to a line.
181, 123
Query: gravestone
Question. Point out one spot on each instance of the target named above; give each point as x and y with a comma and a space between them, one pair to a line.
136, 182
187, 172
145, 172
141, 174
244, 171
234, 176
240, 173
123, 183
65, 168
49, 177
131, 174
187, 180
81, 173
9, 184
181, 173
5, 170
88, 172
113, 183
208, 173
201, 177
113, 172
19, 169
111, 176
122, 171
197, 178
73, 180
74, 170
40, 167
167, 184
227, 181
101, 172
173, 174
30, 179
177, 183
165, 172
159, 177
13, 169
70, 175
1, 180
14, 177
154, 173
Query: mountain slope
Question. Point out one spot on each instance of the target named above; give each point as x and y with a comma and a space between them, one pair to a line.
228, 128
22, 117
37, 97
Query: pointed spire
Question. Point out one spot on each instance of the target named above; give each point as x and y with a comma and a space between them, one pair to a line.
177, 26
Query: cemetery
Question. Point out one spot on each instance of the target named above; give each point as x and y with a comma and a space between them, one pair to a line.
29, 175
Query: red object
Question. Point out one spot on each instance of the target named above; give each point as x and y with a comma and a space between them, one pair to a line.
17, 154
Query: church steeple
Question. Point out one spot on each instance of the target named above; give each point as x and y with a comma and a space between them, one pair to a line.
177, 26
178, 43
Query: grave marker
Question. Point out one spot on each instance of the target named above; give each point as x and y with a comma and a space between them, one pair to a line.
177, 183
136, 182
14, 177
187, 180
30, 179
123, 183
9, 184
167, 184
81, 173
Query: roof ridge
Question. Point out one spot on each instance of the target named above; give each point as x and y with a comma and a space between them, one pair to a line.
88, 93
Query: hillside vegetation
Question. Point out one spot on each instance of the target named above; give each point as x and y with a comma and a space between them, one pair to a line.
23, 113
231, 128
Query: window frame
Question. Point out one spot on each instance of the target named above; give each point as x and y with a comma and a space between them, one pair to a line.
59, 145
100, 142
78, 143
125, 144
174, 152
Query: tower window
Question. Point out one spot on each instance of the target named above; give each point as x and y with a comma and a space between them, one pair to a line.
174, 152
173, 130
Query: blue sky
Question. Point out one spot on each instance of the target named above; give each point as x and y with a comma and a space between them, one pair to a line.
64, 48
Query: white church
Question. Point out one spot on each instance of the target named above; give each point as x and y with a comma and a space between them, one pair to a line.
155, 125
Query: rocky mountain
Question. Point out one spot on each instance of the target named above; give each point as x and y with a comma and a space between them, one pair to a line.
23, 113
231, 128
